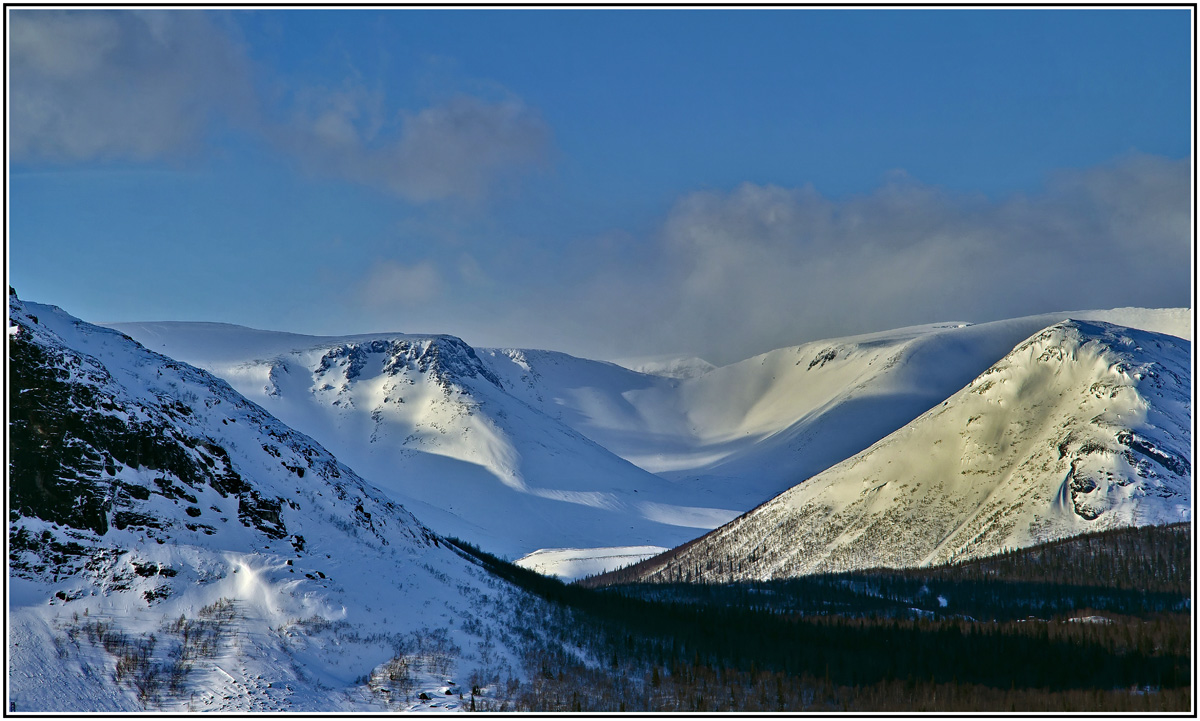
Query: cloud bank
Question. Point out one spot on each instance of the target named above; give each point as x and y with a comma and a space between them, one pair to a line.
732, 274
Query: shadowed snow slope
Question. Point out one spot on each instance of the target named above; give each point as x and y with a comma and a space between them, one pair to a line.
170, 534
521, 450
1084, 426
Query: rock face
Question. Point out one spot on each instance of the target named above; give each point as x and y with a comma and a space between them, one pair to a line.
168, 533
1084, 426
445, 358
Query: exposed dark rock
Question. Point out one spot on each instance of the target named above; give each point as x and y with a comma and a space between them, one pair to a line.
141, 493
445, 358
823, 357
125, 519
1174, 464
1080, 487
261, 513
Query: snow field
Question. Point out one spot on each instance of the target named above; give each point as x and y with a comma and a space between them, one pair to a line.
572, 563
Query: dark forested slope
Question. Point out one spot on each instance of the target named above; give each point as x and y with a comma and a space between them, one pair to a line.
1094, 623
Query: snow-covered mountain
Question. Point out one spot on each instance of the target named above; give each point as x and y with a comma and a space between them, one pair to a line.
483, 444
449, 432
745, 432
524, 450
1083, 426
173, 546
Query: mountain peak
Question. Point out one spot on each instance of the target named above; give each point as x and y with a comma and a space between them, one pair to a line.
445, 357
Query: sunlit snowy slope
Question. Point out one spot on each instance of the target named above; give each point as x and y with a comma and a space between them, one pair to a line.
742, 433
174, 547
523, 450
1083, 426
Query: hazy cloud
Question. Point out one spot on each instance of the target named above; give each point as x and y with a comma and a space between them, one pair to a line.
459, 147
760, 267
136, 85
462, 148
391, 284
147, 85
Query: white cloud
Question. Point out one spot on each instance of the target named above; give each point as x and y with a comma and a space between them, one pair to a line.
731, 274
138, 85
760, 267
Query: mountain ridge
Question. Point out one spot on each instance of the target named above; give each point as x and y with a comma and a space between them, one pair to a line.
676, 453
1086, 423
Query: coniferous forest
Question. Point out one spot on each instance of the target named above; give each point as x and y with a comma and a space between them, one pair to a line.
1094, 623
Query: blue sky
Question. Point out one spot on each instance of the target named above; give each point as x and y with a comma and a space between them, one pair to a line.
605, 182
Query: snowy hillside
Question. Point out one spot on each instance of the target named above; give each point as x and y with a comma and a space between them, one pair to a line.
1083, 426
737, 435
479, 442
745, 432
432, 422
174, 547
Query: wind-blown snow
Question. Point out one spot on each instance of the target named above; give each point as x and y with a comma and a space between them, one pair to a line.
669, 366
